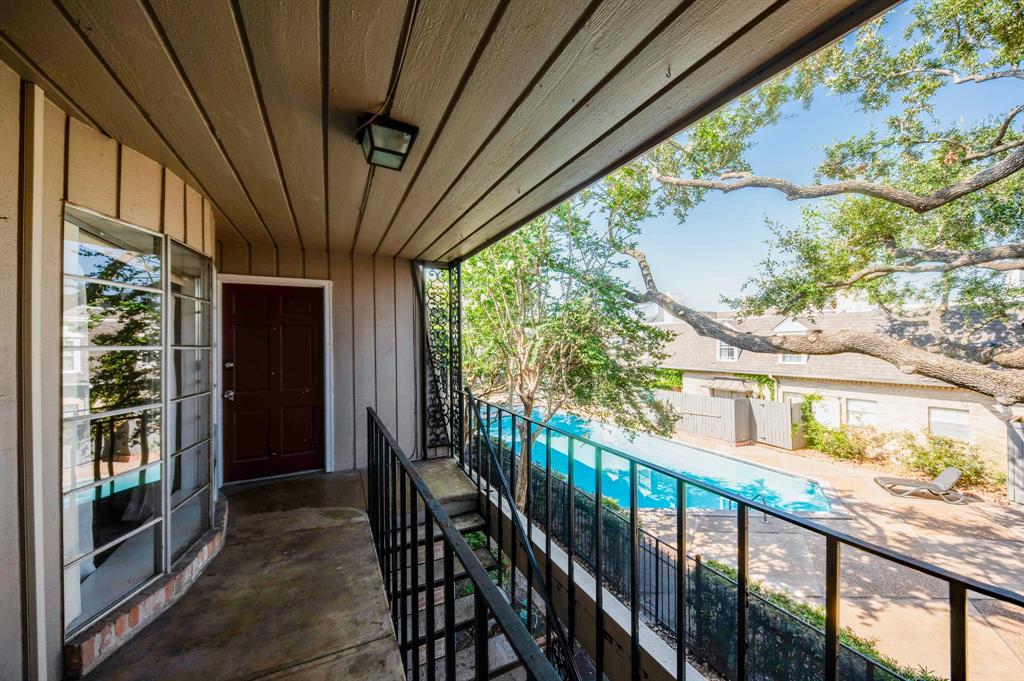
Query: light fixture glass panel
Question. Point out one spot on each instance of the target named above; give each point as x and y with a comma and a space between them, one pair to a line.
190, 422
386, 159
390, 139
189, 471
188, 522
367, 143
95, 583
191, 321
190, 272
106, 447
99, 515
191, 372
99, 314
104, 380
98, 248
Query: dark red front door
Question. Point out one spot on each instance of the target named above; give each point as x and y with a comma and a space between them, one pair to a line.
273, 378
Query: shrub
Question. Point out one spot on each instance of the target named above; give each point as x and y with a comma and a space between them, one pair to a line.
850, 443
933, 453
476, 540
668, 379
814, 616
838, 443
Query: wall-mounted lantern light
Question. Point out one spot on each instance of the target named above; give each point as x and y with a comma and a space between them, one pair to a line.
385, 142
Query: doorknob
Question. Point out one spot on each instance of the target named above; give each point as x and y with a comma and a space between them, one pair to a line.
229, 364
229, 395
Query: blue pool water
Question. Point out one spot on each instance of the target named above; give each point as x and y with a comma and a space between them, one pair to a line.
773, 488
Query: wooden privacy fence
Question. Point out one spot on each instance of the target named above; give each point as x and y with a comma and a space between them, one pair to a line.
1015, 462
739, 420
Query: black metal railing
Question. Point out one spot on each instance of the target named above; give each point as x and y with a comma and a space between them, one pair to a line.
397, 498
728, 623
558, 642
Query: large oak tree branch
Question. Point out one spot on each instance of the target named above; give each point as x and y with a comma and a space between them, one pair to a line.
730, 182
1002, 258
959, 79
1005, 385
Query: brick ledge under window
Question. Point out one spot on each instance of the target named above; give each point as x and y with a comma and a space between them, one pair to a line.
90, 647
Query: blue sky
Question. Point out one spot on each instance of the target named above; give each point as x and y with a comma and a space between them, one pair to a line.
722, 240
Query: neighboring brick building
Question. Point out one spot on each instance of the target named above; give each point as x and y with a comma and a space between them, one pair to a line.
854, 389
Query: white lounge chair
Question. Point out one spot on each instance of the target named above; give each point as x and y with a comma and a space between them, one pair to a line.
941, 486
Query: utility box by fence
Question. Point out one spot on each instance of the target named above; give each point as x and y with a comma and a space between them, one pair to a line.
1015, 462
737, 420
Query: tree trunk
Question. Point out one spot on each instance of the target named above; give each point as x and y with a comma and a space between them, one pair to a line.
523, 467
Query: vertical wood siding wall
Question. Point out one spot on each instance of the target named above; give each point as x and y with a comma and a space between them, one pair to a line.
10, 549
47, 158
376, 338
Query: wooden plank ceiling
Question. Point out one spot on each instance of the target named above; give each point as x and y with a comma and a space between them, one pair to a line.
520, 103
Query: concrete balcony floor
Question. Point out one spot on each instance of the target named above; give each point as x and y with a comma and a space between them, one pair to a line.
295, 594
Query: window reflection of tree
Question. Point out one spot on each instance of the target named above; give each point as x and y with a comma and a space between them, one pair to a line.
121, 378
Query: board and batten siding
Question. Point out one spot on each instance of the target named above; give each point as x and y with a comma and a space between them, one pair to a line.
10, 544
376, 342
48, 158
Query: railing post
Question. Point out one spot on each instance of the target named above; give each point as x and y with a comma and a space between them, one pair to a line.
481, 661
548, 529
527, 448
681, 619
698, 603
513, 509
392, 511
414, 599
598, 564
634, 577
501, 514
449, 612
404, 567
570, 519
742, 595
428, 529
487, 487
957, 632
832, 574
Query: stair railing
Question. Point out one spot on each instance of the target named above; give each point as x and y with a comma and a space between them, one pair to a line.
397, 497
561, 649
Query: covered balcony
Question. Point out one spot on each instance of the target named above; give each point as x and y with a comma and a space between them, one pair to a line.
235, 441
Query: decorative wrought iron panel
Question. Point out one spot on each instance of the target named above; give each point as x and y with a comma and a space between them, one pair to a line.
442, 341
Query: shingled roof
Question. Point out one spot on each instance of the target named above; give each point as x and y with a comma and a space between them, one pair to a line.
688, 351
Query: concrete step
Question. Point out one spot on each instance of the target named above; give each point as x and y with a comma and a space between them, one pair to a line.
449, 484
463, 618
503, 663
482, 555
464, 522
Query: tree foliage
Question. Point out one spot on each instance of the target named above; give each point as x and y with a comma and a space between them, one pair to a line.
548, 321
919, 215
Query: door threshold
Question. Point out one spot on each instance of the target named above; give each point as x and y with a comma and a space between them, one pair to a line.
272, 477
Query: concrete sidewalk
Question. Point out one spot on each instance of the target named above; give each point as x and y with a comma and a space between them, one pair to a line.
905, 611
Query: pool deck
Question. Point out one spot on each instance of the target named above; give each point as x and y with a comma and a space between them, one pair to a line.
907, 613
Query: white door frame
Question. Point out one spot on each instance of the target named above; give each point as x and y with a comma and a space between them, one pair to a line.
252, 279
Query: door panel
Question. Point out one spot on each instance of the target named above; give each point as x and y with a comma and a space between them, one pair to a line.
273, 380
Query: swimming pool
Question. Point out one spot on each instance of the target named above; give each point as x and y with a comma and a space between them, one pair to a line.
771, 487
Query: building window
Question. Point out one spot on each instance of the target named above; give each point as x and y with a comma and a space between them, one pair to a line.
136, 494
952, 423
727, 353
792, 359
861, 412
